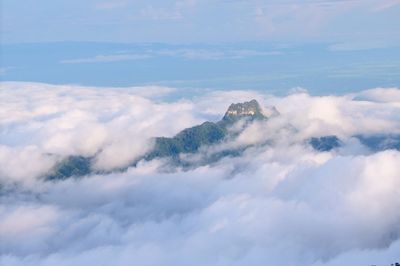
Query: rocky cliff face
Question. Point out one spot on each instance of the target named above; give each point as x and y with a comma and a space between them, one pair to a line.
250, 110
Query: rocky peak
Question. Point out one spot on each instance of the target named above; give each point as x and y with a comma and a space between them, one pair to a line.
249, 109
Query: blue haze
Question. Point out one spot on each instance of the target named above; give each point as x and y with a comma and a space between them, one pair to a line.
277, 68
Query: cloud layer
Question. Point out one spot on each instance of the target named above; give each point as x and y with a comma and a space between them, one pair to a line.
276, 204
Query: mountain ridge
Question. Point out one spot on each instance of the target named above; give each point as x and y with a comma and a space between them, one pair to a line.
190, 140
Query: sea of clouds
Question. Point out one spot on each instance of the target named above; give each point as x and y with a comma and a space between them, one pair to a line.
277, 204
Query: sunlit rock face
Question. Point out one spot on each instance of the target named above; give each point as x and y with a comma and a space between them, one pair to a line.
238, 111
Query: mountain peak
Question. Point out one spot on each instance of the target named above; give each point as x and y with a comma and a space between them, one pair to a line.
249, 109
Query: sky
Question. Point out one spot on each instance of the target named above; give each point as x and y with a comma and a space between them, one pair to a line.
359, 22
324, 46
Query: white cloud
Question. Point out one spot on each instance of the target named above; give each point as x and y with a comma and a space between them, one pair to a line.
19, 163
383, 95
74, 120
282, 203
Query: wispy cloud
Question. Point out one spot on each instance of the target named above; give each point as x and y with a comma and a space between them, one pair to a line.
386, 4
111, 5
175, 10
106, 58
189, 54
3, 70
305, 17
201, 54
202, 21
157, 13
357, 46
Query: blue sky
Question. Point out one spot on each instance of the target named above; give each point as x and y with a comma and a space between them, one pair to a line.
188, 21
323, 45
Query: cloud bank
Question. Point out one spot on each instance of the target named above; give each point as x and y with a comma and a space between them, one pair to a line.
277, 204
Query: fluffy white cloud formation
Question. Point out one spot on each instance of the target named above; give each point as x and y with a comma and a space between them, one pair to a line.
276, 204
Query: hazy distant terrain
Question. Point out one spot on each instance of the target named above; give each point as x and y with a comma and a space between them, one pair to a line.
322, 68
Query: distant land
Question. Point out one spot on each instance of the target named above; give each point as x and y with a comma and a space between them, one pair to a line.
321, 68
